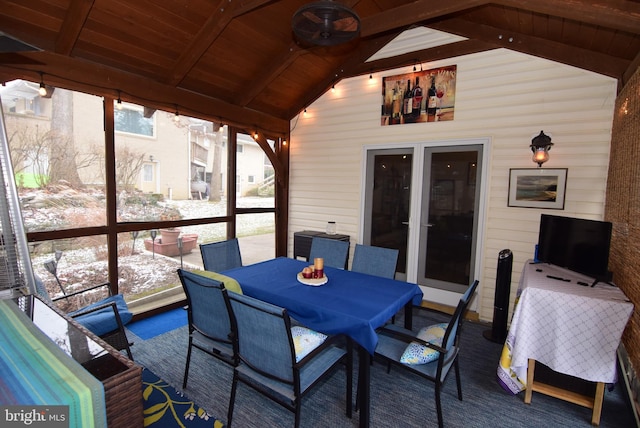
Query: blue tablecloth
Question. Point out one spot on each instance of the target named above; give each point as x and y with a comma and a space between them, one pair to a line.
351, 303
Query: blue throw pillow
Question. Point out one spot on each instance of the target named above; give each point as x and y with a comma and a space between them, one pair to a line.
305, 340
103, 321
416, 353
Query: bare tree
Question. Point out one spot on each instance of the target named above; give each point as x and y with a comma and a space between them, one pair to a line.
128, 166
29, 147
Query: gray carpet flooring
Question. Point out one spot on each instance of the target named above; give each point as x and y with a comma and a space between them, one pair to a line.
398, 399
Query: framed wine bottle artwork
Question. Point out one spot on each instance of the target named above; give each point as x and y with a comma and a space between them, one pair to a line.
419, 96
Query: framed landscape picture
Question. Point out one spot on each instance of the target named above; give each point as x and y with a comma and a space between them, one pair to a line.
537, 187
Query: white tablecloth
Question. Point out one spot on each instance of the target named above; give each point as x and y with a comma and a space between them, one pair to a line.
571, 328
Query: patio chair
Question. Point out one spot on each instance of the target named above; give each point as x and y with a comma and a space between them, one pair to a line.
280, 361
105, 318
333, 251
221, 256
377, 261
431, 352
212, 327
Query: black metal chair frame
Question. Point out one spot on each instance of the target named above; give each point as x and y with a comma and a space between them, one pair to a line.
116, 338
397, 333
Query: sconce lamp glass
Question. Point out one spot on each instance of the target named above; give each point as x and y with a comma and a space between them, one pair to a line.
540, 146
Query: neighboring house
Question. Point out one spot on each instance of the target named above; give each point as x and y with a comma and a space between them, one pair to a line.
167, 156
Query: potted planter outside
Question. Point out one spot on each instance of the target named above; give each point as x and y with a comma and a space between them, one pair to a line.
169, 236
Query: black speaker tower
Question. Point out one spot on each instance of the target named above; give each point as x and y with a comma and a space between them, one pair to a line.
498, 332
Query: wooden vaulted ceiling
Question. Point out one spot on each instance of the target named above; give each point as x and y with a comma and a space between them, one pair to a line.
238, 62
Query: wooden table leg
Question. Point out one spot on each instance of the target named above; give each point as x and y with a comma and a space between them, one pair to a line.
597, 404
529, 391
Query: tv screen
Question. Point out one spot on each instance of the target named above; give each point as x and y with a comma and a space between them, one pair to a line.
577, 244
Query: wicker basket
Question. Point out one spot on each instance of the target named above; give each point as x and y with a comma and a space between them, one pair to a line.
122, 381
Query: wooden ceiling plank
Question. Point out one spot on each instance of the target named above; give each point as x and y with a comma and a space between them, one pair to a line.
209, 32
554, 51
617, 14
72, 26
270, 72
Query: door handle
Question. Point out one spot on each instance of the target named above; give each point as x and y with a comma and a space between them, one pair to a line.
426, 225
406, 223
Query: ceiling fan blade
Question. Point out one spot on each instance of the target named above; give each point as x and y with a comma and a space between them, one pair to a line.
312, 17
346, 24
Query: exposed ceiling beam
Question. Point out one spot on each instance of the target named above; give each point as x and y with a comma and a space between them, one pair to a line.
570, 55
617, 14
72, 26
418, 11
99, 80
271, 72
437, 53
366, 48
630, 71
208, 33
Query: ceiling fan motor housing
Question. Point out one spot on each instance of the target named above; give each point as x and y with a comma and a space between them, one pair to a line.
325, 23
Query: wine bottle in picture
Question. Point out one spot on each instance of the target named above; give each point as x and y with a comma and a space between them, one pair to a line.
407, 103
417, 100
396, 104
432, 101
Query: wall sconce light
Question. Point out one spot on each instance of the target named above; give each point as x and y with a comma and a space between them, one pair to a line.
540, 146
150, 158
255, 135
176, 116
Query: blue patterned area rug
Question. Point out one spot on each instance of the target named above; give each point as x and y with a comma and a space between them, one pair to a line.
159, 324
166, 407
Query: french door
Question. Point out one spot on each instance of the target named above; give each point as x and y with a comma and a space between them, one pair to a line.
427, 208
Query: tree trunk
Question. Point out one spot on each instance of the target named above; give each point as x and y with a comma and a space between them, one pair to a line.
216, 167
62, 151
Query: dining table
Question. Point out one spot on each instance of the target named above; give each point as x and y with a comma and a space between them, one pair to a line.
349, 303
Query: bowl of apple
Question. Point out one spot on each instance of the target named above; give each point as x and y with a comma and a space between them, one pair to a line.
313, 277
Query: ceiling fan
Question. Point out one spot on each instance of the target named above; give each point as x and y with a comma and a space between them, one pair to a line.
325, 23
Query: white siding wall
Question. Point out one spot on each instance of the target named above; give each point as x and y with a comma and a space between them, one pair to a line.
503, 96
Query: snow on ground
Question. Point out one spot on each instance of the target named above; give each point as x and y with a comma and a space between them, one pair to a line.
140, 272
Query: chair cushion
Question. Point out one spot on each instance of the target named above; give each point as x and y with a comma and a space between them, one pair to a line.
415, 353
103, 320
229, 283
305, 340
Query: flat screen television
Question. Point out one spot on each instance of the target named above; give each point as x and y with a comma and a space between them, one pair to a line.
577, 244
